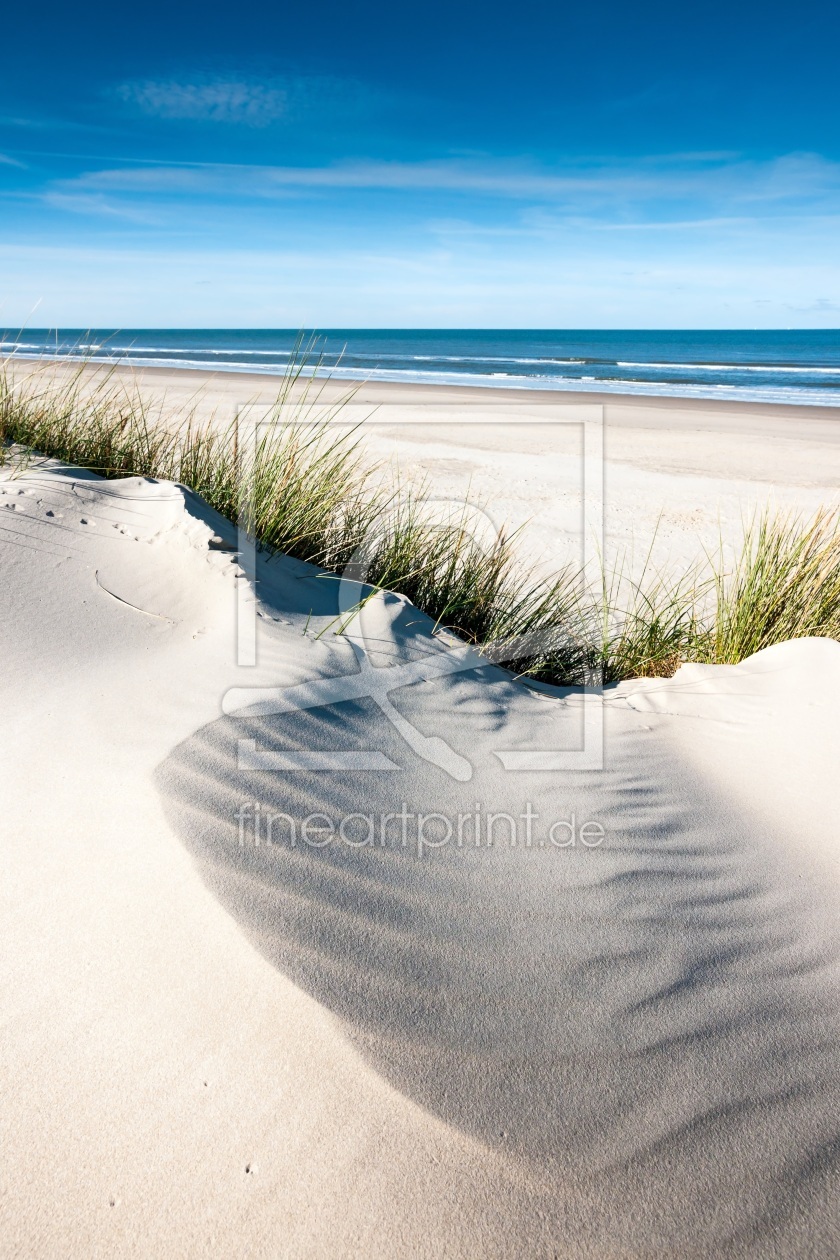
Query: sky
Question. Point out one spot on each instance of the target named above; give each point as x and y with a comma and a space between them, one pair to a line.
536, 165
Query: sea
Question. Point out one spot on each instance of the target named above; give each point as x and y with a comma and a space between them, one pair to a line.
799, 366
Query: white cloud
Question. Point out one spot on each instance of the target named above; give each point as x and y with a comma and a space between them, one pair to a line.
96, 204
248, 101
821, 306
241, 101
666, 191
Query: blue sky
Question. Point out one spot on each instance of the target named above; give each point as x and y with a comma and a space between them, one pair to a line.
530, 165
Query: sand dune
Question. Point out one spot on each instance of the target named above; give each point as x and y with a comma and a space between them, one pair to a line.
622, 1048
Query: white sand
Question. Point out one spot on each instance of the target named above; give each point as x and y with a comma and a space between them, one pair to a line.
625, 1050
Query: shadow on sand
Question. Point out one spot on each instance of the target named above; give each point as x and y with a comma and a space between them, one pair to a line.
643, 1024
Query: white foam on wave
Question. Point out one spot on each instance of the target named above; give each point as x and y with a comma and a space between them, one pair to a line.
732, 367
545, 361
791, 394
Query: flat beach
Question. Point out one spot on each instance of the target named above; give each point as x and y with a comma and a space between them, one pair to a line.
611, 1031
679, 474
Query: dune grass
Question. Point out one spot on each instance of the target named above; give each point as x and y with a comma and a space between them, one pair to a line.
305, 489
301, 488
784, 584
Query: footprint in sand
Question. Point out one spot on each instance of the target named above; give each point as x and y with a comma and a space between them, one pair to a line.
217, 543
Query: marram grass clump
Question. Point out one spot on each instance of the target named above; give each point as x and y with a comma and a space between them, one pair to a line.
784, 584
304, 488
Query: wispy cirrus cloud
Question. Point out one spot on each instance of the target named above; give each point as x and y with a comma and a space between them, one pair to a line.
97, 204
708, 189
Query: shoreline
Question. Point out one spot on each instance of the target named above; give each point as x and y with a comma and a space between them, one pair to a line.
385, 390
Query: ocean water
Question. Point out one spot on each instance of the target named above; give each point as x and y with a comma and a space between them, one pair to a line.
801, 366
